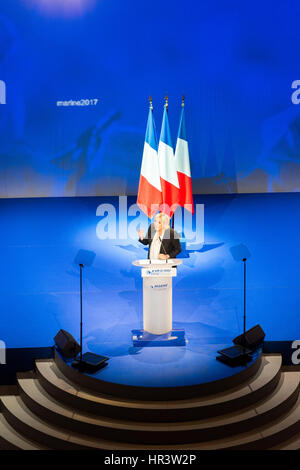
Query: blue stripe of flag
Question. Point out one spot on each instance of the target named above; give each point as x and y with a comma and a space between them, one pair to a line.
151, 137
165, 134
181, 130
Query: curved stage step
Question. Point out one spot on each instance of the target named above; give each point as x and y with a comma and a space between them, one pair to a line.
291, 444
60, 388
45, 407
10, 439
58, 438
262, 412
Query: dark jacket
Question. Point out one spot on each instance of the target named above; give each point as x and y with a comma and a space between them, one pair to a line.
170, 242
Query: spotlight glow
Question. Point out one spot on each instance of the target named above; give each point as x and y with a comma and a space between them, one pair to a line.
62, 8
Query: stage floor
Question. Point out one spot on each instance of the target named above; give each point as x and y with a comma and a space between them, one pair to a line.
176, 366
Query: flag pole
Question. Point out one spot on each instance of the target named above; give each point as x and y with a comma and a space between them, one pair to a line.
150, 101
182, 105
166, 106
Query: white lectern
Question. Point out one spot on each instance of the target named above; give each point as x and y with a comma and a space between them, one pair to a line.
157, 301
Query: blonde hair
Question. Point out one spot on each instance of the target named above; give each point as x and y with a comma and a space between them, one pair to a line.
165, 220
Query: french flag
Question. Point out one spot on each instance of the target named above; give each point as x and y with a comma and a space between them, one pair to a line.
150, 192
183, 166
167, 168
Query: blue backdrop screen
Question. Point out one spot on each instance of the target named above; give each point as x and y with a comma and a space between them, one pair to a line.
75, 77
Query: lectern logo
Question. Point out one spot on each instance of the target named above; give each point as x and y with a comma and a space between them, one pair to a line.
159, 286
2, 92
2, 352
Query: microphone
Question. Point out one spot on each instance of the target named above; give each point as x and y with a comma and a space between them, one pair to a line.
163, 248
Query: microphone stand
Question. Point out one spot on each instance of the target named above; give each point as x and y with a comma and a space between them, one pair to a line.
80, 266
244, 333
89, 362
241, 352
163, 249
78, 363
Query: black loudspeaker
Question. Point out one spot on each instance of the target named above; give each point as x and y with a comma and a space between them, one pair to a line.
90, 362
253, 338
66, 344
